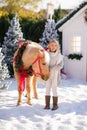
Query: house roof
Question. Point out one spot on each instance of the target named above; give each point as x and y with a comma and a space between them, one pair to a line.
71, 14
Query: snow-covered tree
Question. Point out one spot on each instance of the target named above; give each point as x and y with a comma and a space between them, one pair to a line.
49, 33
4, 74
10, 43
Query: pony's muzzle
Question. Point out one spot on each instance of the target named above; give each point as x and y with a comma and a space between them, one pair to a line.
45, 77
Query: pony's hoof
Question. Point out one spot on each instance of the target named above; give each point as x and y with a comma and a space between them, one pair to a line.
36, 96
25, 95
29, 103
18, 103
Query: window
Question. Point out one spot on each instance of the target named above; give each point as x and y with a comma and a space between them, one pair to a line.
76, 44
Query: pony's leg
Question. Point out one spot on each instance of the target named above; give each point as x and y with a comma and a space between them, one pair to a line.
17, 77
34, 83
28, 89
19, 102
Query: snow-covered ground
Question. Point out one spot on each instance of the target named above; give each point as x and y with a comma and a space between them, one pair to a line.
71, 114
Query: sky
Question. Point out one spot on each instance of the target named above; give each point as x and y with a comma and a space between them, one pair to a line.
71, 114
65, 4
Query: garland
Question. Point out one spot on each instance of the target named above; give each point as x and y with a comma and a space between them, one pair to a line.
18, 60
85, 15
75, 56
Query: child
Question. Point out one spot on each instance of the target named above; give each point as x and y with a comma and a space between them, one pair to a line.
56, 64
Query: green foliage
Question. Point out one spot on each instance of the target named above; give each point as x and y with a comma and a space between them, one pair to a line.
4, 23
35, 31
58, 14
32, 29
75, 56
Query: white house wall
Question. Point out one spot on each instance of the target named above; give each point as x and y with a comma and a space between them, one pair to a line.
76, 26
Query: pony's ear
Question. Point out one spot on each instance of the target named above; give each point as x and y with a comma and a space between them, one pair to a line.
41, 52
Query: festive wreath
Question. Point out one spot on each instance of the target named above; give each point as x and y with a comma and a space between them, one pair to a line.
18, 60
75, 56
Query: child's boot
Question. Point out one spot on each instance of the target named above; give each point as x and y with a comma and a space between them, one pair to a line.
47, 102
55, 105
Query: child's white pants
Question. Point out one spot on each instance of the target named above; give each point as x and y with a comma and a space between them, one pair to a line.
52, 84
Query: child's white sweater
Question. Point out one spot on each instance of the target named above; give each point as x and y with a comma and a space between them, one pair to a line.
56, 62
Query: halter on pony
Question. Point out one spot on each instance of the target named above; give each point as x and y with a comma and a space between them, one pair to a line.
40, 70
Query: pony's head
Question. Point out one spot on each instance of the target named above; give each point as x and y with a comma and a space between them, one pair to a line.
41, 64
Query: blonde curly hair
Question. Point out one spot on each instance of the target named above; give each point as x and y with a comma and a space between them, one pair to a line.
57, 43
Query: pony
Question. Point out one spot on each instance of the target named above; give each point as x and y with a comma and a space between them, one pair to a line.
31, 61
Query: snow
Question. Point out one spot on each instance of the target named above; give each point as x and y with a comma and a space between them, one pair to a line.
71, 114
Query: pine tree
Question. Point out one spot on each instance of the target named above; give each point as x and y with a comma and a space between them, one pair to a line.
58, 14
49, 33
4, 74
10, 43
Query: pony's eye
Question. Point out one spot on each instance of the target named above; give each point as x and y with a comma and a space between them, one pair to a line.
43, 63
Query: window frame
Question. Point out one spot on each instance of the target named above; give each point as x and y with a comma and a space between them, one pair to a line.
75, 44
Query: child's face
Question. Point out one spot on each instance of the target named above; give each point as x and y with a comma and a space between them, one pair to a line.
53, 46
